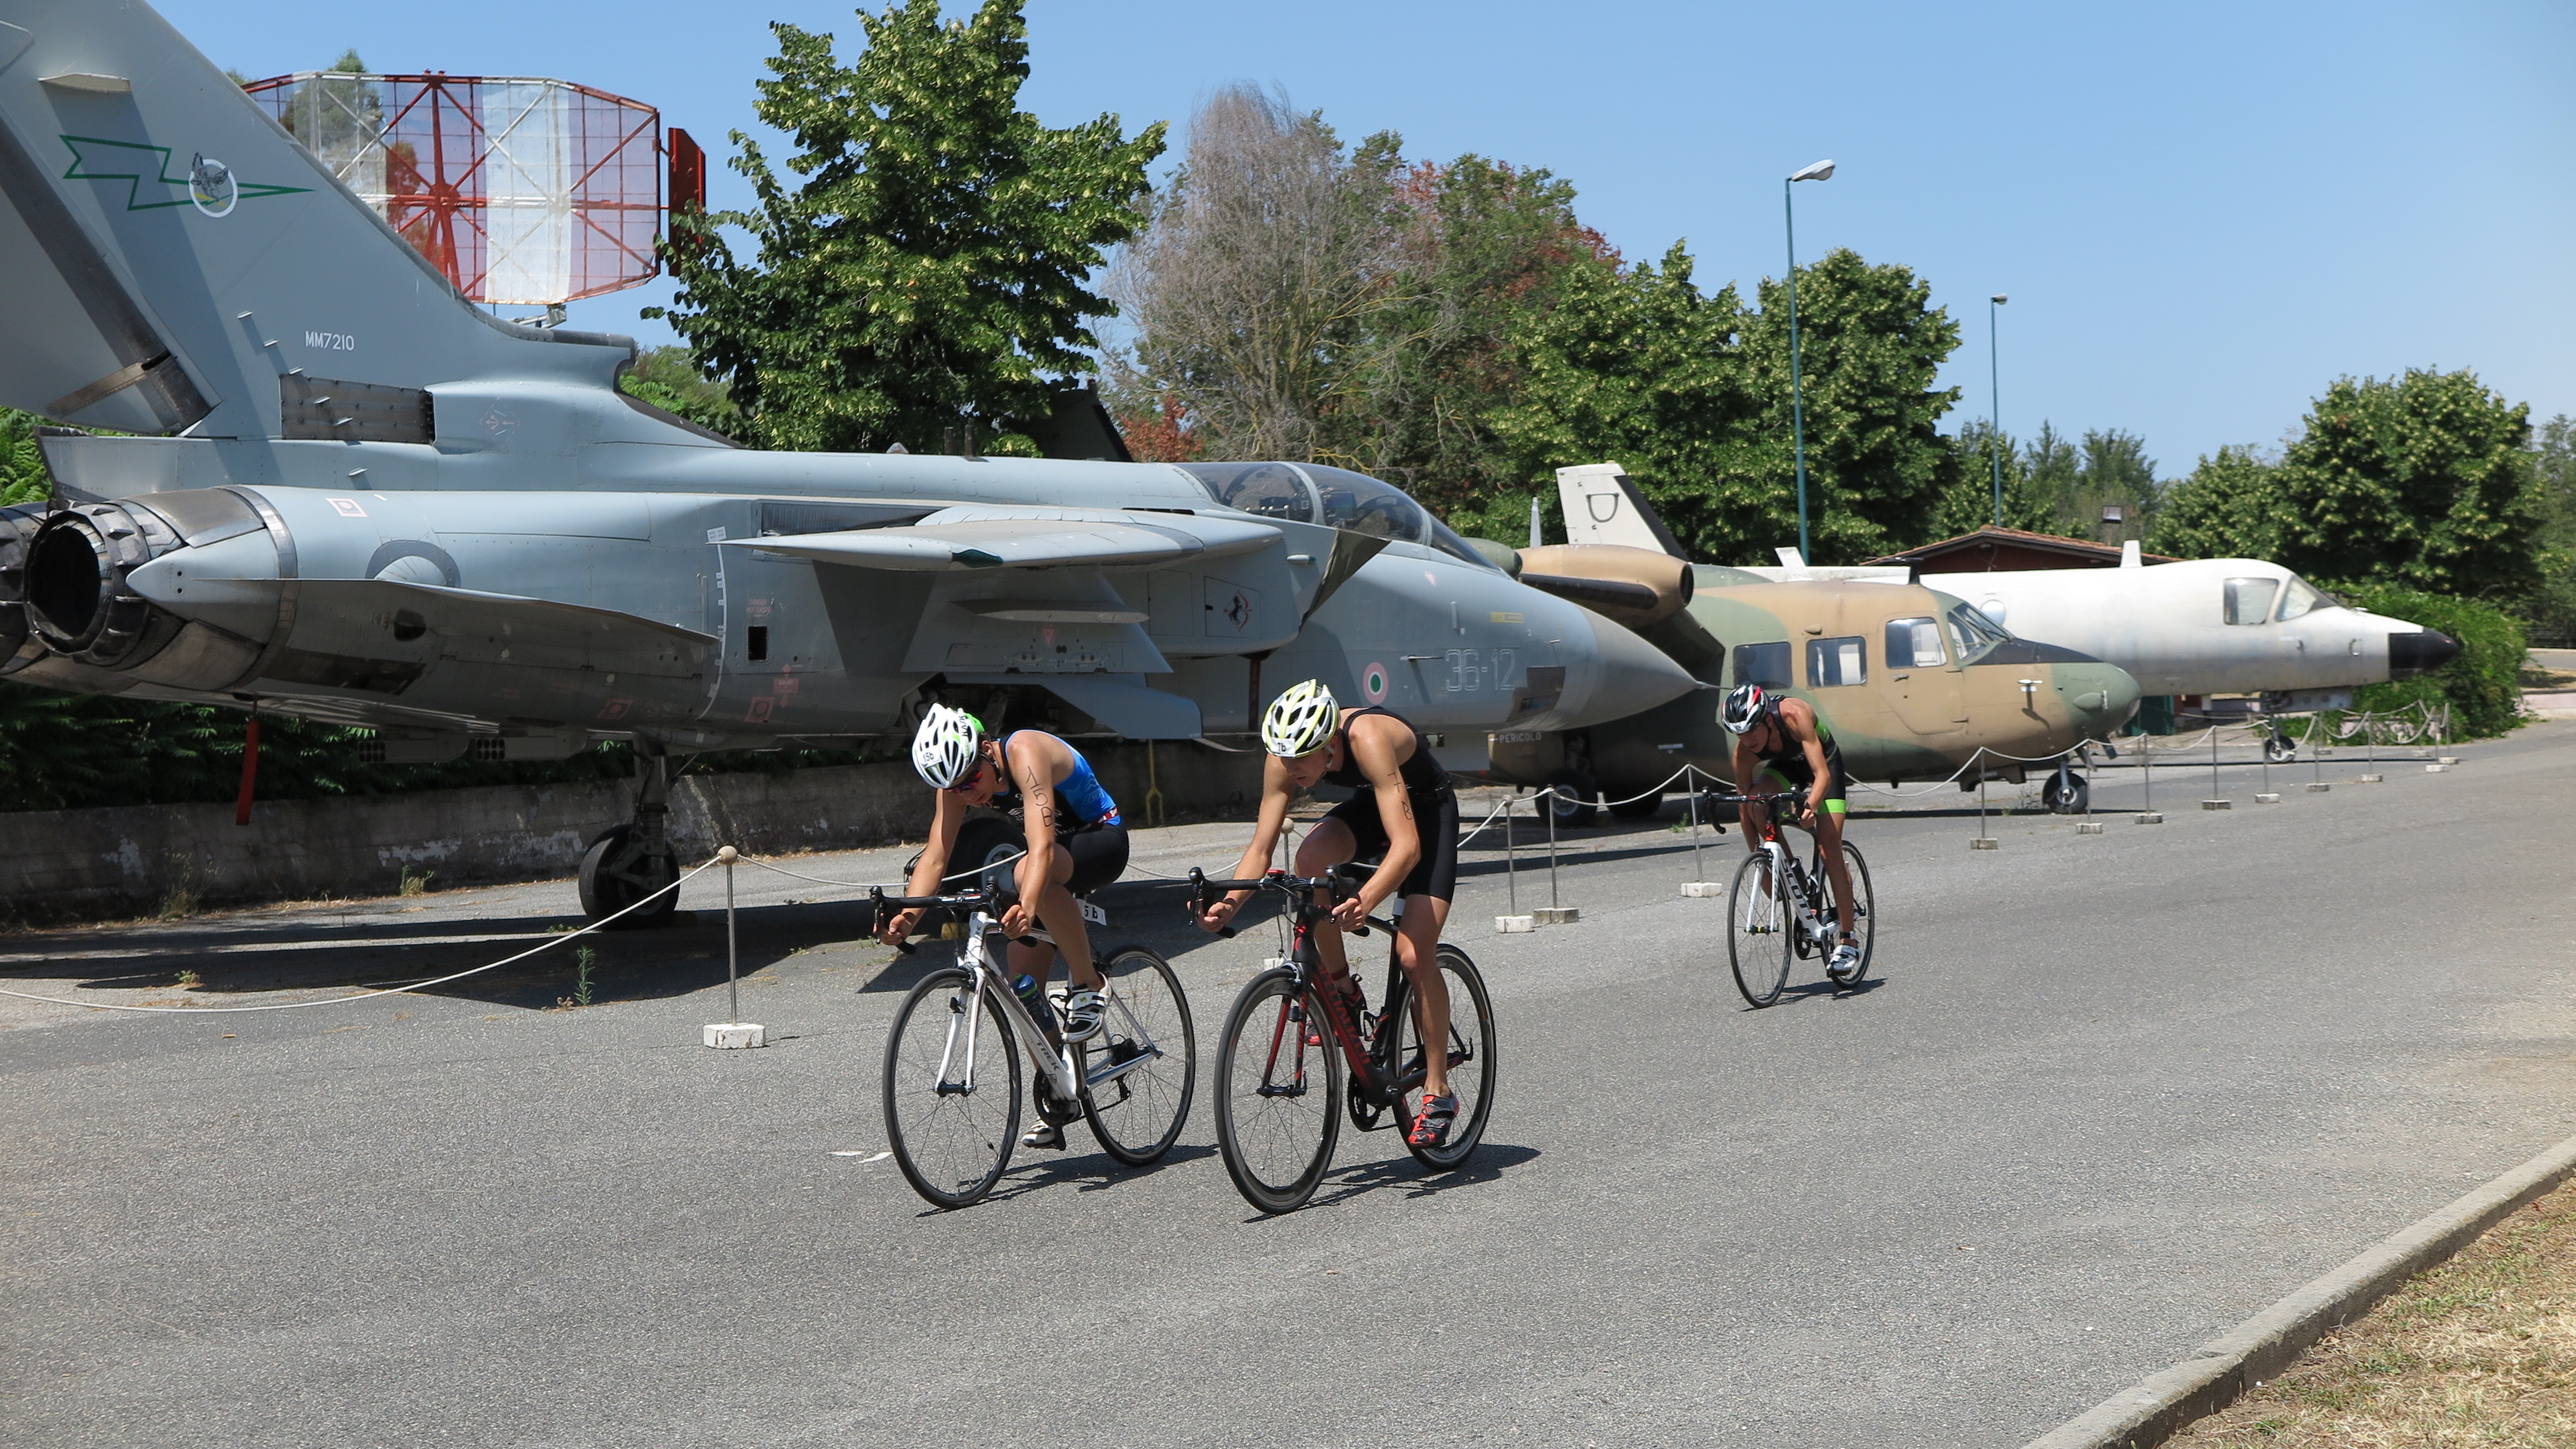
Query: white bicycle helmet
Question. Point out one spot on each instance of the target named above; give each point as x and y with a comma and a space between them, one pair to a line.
1300, 720
947, 747
1745, 704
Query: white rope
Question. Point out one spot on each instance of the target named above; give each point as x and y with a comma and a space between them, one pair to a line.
388, 991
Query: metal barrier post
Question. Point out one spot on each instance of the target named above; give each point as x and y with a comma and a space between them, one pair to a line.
1983, 841
2316, 757
1690, 782
733, 1031
1512, 920
2369, 750
2147, 780
2215, 801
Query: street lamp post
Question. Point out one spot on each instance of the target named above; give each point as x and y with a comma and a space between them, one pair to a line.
1821, 171
1995, 392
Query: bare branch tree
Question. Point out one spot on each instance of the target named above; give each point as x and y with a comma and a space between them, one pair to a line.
1251, 280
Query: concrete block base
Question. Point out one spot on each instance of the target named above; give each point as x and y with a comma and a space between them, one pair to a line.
1509, 924
1702, 889
2319, 789
2368, 779
2435, 769
1985, 842
1558, 915
2089, 827
2447, 760
2217, 804
2151, 817
736, 1034
2267, 799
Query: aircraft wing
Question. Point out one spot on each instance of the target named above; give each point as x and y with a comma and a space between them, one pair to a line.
987, 538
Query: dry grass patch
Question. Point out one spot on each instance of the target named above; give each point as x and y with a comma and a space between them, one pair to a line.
2479, 1351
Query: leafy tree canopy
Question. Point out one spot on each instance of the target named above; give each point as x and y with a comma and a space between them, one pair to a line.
1968, 503
2423, 481
930, 269
2230, 507
22, 473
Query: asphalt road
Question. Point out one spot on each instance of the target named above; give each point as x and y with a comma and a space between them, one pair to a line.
2107, 1097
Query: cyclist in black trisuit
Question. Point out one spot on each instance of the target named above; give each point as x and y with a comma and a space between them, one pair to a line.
1405, 817
1781, 743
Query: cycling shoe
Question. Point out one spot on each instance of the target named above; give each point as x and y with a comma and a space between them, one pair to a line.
1846, 960
1431, 1125
1083, 1012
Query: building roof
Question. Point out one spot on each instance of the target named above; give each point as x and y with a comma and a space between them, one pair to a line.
1990, 549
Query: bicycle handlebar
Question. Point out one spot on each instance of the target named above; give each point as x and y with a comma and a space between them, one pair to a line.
977, 898
1775, 797
1297, 887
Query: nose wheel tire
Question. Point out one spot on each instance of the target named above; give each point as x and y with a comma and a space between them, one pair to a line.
2067, 794
1572, 804
617, 871
2280, 751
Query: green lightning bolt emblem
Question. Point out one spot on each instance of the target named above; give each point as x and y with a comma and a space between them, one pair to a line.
206, 184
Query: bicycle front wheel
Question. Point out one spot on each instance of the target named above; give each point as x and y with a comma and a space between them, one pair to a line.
1279, 1093
1758, 928
1147, 1039
1864, 921
952, 1089
1471, 1058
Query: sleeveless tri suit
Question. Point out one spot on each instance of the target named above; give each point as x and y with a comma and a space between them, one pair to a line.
1435, 810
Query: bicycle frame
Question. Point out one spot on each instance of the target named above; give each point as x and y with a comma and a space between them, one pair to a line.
986, 979
1370, 1057
1804, 881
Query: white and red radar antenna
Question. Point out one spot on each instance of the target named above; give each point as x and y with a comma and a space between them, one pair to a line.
521, 190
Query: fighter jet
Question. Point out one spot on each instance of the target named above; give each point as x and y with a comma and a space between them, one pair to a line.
1916, 684
355, 497
2205, 626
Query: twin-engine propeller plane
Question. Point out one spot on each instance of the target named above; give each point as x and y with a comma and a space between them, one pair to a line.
1916, 684
358, 498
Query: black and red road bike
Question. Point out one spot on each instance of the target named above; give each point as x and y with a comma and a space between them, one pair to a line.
1282, 1090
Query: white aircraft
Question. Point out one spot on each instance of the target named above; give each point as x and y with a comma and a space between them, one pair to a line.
2205, 626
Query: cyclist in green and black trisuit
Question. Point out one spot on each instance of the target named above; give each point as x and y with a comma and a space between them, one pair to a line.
1781, 743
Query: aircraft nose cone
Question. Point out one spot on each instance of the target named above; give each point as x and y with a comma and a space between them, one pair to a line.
1625, 676
2421, 652
2104, 694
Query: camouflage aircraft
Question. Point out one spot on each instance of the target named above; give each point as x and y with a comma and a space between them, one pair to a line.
356, 497
1916, 684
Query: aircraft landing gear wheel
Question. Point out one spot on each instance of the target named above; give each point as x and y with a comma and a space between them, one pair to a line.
2067, 793
617, 871
2280, 751
1574, 807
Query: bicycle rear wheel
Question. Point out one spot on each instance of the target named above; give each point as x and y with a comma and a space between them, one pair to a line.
1279, 1093
951, 1130
1864, 920
1758, 927
1137, 1115
1472, 1062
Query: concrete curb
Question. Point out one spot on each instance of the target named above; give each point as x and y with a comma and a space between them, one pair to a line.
2259, 1348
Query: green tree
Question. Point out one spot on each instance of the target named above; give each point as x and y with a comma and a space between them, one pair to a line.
931, 270
667, 379
23, 478
2482, 686
1871, 348
2553, 612
2230, 507
1968, 502
1636, 365
2423, 481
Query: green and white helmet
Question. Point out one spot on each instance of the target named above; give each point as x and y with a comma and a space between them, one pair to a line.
947, 746
1300, 720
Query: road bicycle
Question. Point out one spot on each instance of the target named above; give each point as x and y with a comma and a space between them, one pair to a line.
953, 1059
1281, 1092
1767, 927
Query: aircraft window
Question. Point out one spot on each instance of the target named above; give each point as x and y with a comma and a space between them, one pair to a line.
1362, 504
1763, 664
2300, 597
2249, 601
1837, 661
1273, 490
1972, 633
1913, 644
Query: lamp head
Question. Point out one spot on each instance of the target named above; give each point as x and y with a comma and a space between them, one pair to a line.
1821, 171
2000, 299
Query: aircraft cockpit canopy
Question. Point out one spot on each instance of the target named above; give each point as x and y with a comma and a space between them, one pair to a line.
2300, 596
1313, 493
1972, 634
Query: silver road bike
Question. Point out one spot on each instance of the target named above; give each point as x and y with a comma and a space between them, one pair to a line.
954, 1061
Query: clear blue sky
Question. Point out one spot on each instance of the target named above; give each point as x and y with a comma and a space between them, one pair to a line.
2202, 212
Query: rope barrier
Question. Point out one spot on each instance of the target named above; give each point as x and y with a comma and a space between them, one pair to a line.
390, 990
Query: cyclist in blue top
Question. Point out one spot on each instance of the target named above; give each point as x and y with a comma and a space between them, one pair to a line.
1077, 842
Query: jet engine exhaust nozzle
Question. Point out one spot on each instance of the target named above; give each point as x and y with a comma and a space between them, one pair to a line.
2421, 652
17, 528
76, 594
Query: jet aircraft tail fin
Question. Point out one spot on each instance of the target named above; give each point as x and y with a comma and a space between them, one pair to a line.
174, 258
1602, 506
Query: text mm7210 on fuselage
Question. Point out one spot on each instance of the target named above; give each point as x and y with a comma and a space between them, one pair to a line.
358, 498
